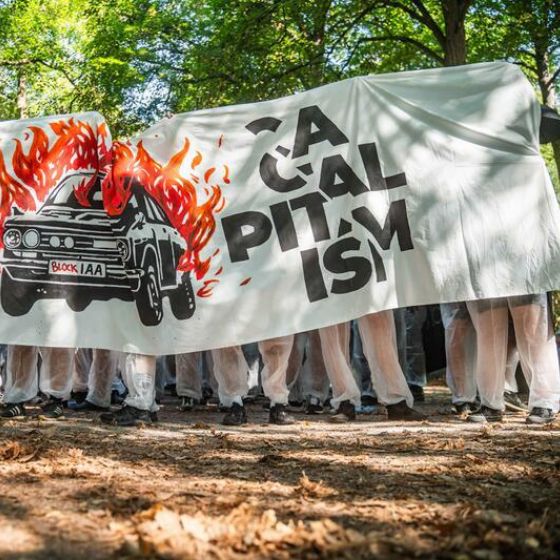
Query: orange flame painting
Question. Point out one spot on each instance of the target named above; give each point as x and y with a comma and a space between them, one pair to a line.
176, 194
37, 169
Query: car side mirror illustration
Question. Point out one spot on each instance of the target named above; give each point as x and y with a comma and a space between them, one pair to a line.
139, 221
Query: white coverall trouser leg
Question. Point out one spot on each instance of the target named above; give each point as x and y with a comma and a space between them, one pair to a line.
139, 376
102, 373
189, 375
82, 365
231, 372
380, 348
535, 343
335, 344
276, 354
460, 352
22, 381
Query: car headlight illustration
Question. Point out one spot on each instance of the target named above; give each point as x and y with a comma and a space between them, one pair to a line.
123, 249
31, 238
12, 238
54, 241
68, 242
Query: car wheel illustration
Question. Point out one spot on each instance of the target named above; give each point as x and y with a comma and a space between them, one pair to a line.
15, 300
148, 298
182, 299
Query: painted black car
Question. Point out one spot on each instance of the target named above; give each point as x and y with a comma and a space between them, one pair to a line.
66, 250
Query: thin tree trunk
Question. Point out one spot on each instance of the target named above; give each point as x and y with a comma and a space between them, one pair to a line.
21, 101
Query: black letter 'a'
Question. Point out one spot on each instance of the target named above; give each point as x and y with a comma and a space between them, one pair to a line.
238, 241
326, 130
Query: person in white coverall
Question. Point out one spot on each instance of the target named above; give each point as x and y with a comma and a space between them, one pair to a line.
24, 381
460, 353
536, 345
378, 334
94, 373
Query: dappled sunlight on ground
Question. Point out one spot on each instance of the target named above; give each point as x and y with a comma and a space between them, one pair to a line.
189, 487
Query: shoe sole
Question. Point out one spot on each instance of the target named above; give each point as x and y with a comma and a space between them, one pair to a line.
515, 408
486, 421
137, 423
540, 422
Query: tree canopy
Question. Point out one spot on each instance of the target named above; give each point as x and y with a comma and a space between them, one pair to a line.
137, 60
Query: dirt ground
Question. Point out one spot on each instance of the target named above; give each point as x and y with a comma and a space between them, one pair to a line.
191, 488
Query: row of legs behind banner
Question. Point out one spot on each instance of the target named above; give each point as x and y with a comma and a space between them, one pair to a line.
379, 358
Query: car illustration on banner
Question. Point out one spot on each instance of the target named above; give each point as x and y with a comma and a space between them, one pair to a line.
77, 253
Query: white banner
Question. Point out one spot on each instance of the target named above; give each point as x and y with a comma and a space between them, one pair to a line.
242, 223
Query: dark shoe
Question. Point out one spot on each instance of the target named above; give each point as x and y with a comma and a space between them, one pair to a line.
346, 412
313, 406
86, 406
117, 398
207, 393
187, 404
513, 402
279, 416
296, 404
417, 392
78, 396
539, 415
464, 408
127, 416
236, 416
369, 400
13, 410
485, 414
401, 411
170, 389
52, 409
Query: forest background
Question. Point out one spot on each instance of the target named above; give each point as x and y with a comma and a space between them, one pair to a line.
136, 61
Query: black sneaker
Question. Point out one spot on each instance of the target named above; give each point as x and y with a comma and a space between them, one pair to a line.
313, 406
128, 416
52, 409
279, 416
513, 402
464, 408
296, 404
13, 410
401, 411
417, 392
346, 412
236, 416
187, 404
78, 396
539, 415
485, 414
86, 406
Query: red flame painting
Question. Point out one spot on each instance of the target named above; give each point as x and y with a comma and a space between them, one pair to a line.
37, 169
177, 194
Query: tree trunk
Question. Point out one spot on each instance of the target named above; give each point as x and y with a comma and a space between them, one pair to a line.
546, 85
21, 100
454, 13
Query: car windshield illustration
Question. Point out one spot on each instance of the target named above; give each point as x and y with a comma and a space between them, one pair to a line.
69, 251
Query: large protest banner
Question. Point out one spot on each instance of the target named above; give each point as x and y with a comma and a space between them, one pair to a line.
241, 223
